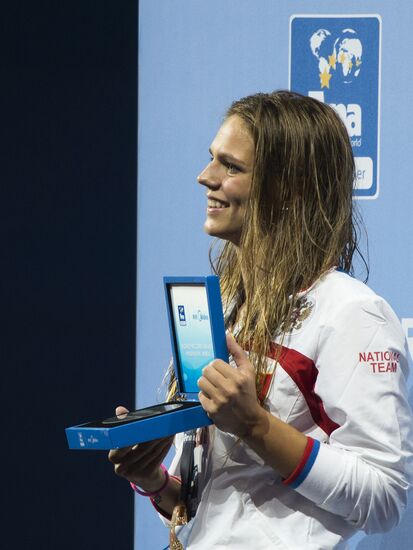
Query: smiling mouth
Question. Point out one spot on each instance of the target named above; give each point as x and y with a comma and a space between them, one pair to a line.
214, 203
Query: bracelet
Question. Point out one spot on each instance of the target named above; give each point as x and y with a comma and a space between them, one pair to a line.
153, 493
156, 500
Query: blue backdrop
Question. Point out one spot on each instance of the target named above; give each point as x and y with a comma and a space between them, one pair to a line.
195, 57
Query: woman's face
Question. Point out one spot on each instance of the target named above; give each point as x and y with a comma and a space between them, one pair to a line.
227, 178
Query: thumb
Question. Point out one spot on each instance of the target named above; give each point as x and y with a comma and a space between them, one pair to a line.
121, 410
239, 355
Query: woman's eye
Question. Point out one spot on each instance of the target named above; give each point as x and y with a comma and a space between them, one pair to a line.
232, 169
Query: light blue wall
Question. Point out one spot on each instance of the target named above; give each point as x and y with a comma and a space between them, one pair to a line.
195, 57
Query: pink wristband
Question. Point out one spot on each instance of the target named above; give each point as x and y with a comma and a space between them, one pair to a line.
158, 509
153, 493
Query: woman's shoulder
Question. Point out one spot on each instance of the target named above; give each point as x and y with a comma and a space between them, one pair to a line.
339, 294
338, 281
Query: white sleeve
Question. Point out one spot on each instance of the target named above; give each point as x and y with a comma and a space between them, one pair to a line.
174, 468
364, 470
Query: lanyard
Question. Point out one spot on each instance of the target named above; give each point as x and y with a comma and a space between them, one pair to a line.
188, 504
189, 474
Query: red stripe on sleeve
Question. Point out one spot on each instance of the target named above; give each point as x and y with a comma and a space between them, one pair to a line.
298, 469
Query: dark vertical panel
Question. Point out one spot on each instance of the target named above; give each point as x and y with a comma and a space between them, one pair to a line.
69, 265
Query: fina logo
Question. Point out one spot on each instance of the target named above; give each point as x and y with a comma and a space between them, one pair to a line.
199, 316
336, 60
339, 59
181, 315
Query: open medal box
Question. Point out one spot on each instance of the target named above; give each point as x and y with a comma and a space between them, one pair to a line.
197, 332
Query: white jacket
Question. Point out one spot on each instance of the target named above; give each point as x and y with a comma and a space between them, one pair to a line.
341, 381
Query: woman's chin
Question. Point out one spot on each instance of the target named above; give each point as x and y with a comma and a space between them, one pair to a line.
220, 233
211, 229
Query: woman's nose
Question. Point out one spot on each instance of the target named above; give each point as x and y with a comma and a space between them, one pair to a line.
209, 177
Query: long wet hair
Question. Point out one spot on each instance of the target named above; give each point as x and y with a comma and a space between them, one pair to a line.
299, 220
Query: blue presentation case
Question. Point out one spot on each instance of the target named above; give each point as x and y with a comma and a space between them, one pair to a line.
197, 333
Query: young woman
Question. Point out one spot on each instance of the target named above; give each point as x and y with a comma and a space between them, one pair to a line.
312, 435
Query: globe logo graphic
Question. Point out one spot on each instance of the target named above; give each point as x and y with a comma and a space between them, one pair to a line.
339, 57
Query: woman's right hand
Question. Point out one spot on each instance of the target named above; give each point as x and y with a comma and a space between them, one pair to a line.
140, 463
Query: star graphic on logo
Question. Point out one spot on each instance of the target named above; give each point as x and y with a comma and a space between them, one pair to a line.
332, 60
325, 79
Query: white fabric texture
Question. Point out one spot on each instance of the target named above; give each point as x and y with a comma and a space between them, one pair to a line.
357, 409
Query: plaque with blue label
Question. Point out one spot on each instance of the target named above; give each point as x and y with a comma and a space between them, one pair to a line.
197, 333
336, 59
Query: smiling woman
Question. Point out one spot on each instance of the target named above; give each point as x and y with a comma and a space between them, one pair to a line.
228, 178
297, 457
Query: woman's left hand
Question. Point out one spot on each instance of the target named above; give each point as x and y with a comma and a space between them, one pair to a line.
228, 394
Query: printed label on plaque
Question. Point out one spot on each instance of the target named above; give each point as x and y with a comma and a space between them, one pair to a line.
193, 332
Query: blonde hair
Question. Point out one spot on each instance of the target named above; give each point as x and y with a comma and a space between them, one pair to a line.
299, 219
